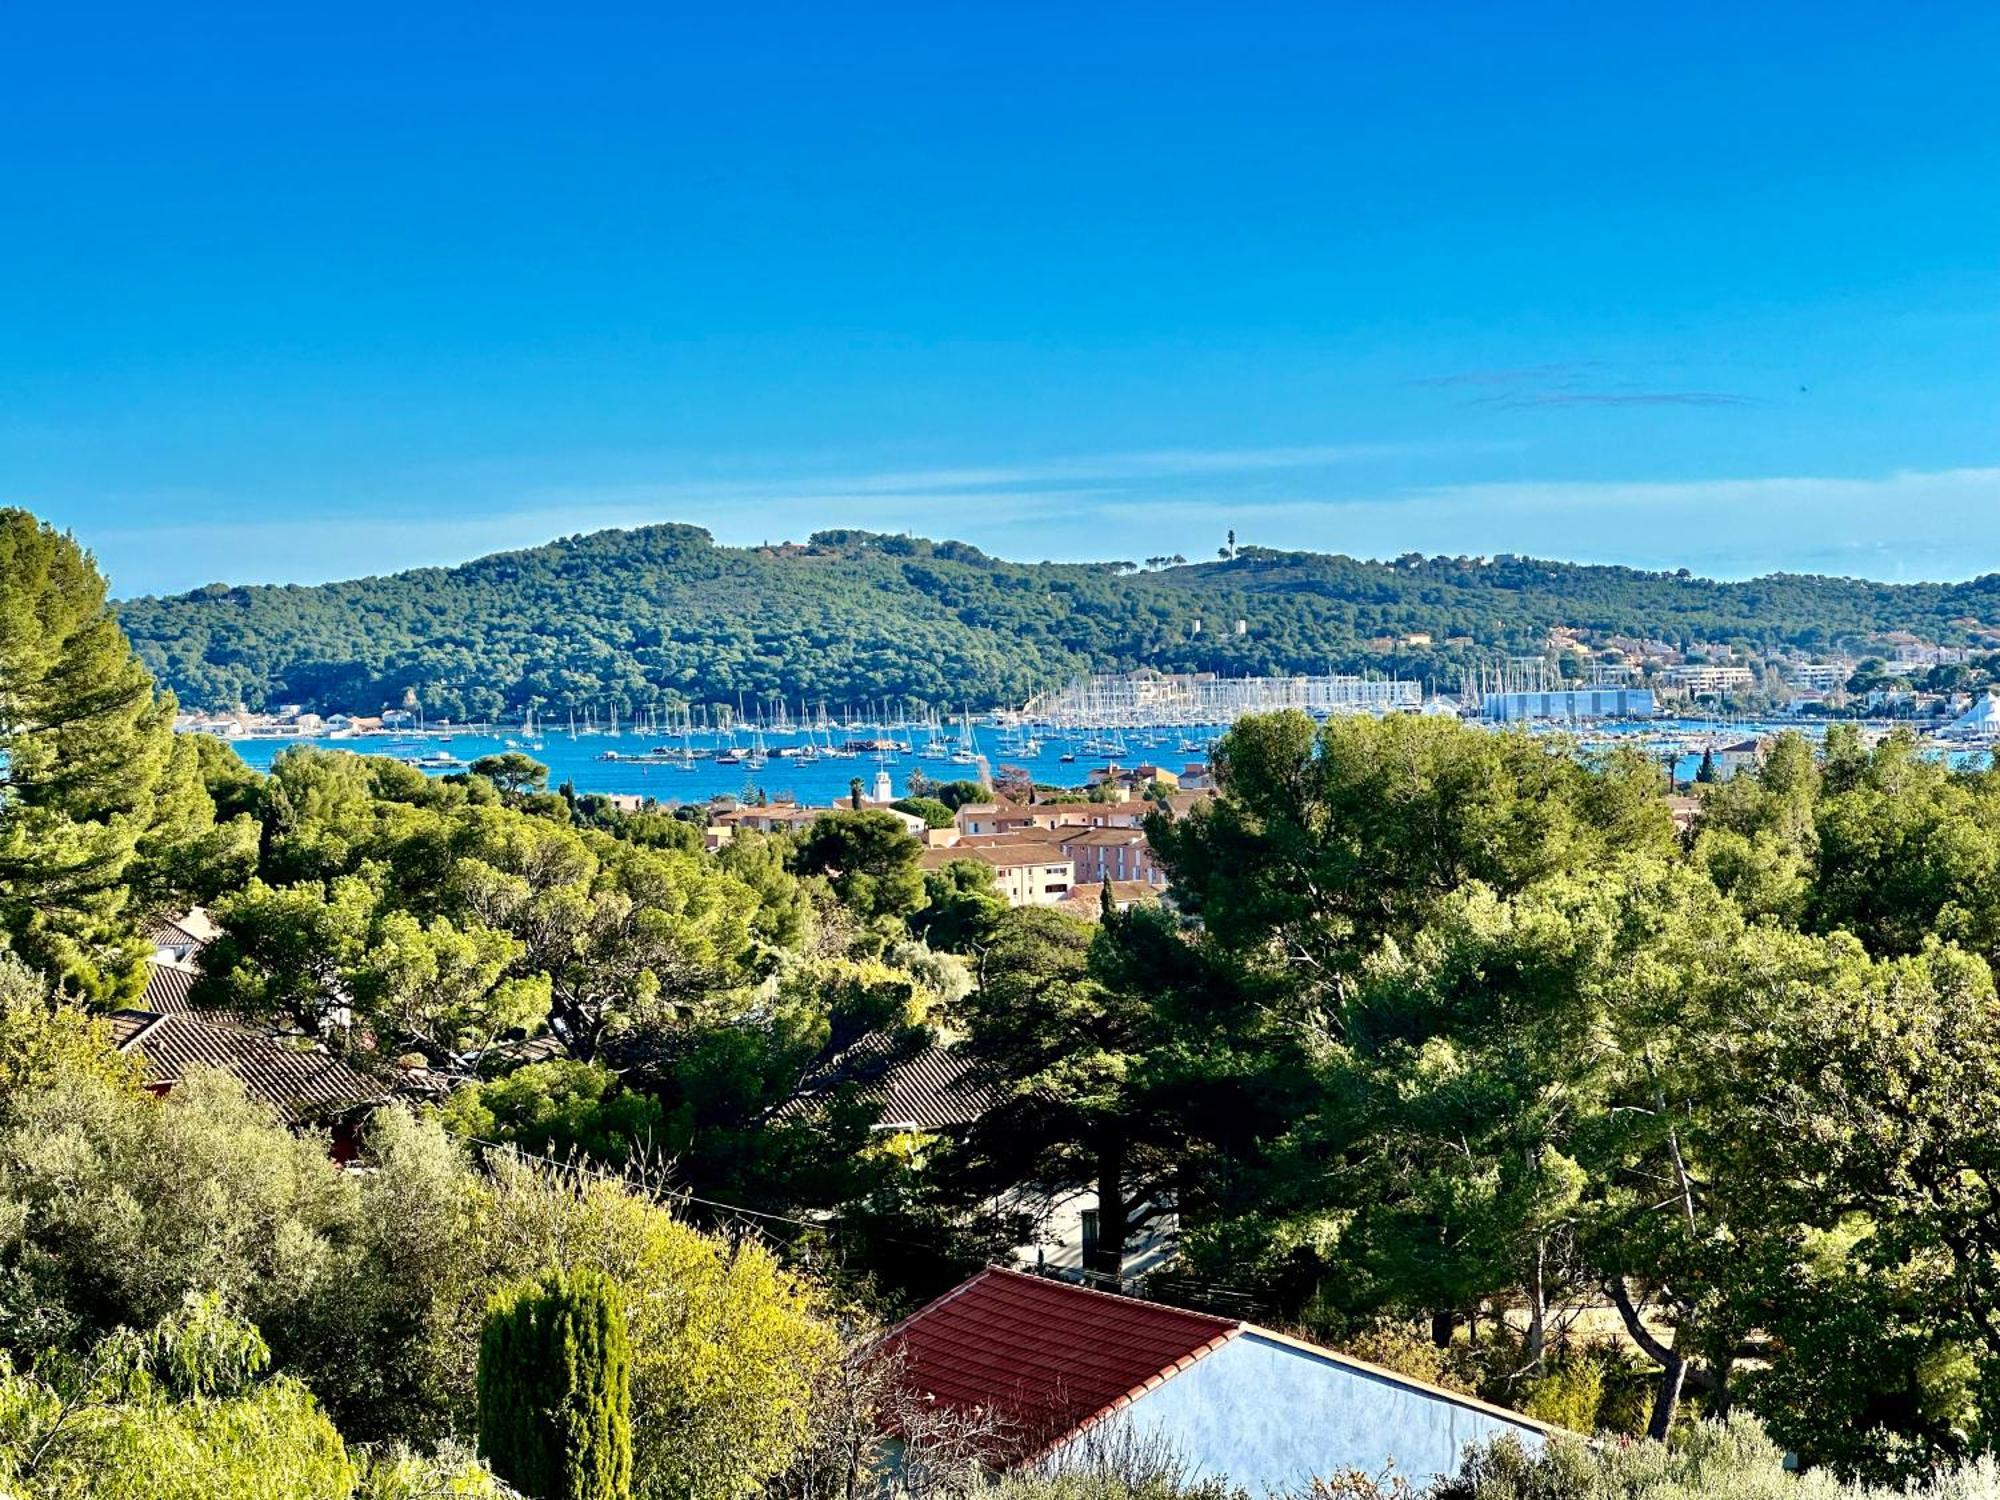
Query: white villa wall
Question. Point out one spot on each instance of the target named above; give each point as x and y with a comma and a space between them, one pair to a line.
1268, 1416
1058, 1246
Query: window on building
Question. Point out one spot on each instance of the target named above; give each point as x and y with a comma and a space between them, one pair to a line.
1088, 1220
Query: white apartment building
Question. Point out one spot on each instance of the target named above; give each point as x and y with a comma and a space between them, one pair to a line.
1704, 680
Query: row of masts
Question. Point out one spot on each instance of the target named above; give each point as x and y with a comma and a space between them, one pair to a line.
1123, 701
775, 716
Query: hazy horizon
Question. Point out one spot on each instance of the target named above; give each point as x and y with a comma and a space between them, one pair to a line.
448, 561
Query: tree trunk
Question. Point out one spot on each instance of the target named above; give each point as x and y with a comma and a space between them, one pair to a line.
1443, 1325
1666, 1402
1538, 1306
1720, 1397
1672, 1363
1112, 1213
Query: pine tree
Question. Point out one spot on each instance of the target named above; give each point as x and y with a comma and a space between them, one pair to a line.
84, 745
555, 1396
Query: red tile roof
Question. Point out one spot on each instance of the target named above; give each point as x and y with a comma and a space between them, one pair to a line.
1087, 897
193, 928
1043, 1358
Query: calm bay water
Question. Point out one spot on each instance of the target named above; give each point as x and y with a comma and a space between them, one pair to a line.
580, 760
819, 781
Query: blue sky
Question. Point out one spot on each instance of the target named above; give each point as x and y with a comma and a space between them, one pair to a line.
290, 293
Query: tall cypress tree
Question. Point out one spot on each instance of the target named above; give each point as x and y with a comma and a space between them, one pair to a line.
555, 1393
84, 745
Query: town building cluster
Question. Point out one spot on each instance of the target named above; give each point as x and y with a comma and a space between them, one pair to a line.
1062, 852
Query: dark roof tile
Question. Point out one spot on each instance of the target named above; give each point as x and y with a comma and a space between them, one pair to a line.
929, 1089
298, 1080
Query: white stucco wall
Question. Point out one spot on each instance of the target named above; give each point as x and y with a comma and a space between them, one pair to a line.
1268, 1416
1058, 1242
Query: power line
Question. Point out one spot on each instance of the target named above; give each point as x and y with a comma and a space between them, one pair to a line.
583, 1169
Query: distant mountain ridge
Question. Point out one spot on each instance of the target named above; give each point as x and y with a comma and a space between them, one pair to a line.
661, 613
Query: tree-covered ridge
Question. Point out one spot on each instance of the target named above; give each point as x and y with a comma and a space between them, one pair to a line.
662, 614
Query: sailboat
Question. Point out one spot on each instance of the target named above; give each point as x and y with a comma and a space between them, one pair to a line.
967, 753
729, 754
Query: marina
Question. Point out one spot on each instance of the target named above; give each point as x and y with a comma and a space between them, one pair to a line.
698, 766
815, 767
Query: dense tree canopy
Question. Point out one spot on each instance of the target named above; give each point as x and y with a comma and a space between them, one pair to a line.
1531, 1051
1446, 1044
662, 615
89, 771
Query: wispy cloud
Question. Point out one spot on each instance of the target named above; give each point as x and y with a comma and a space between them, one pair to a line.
1624, 398
1522, 375
1910, 524
1110, 468
1572, 383
190, 550
1907, 524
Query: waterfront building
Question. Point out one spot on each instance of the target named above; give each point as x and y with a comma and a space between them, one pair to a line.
1569, 705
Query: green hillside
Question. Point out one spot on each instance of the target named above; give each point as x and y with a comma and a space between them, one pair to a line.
662, 613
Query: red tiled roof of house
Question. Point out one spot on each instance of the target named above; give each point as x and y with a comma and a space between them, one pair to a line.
193, 928
170, 992
1106, 838
1007, 855
1027, 833
1086, 897
1044, 1358
126, 1025
167, 987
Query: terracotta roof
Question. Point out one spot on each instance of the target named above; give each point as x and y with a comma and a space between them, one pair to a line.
297, 1080
1047, 1359
163, 932
124, 1025
1027, 833
1005, 856
1087, 896
1044, 1358
167, 987
1108, 838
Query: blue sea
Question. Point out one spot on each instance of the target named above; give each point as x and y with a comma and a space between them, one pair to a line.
580, 760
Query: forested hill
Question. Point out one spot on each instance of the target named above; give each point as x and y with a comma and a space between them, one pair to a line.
854, 617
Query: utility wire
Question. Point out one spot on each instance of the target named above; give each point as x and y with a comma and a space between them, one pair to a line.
583, 1169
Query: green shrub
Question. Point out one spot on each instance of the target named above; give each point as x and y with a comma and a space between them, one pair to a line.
555, 1389
1570, 1395
1731, 1460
